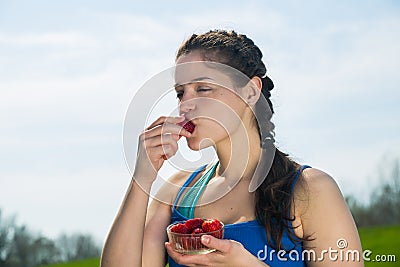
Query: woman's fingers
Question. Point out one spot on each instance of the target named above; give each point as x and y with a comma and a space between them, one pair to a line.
161, 140
229, 253
158, 152
222, 245
164, 119
158, 146
166, 128
166, 125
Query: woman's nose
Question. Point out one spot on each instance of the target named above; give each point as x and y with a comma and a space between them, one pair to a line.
187, 103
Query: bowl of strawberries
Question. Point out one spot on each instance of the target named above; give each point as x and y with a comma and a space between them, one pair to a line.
185, 236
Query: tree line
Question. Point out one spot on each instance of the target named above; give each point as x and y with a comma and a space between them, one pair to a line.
20, 247
383, 206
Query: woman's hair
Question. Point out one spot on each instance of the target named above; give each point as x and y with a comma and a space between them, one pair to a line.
274, 197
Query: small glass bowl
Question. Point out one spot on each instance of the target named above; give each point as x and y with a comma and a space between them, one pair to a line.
191, 243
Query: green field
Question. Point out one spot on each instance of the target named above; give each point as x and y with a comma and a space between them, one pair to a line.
83, 263
380, 240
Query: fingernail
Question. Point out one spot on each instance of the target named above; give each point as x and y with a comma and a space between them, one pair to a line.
205, 240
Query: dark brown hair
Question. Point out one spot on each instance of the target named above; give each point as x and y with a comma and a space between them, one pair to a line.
274, 197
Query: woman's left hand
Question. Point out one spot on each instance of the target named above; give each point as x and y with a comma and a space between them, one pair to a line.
229, 253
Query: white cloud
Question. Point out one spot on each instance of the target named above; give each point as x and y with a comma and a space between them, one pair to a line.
46, 39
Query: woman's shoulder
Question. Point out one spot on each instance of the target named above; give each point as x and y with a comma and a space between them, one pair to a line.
170, 188
316, 180
313, 183
324, 215
316, 188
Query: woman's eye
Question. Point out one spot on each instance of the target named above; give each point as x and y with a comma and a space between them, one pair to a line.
179, 94
203, 89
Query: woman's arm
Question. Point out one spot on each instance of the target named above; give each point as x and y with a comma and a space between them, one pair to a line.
157, 220
124, 244
326, 218
129, 225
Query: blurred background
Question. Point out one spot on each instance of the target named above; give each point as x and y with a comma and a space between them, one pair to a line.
69, 70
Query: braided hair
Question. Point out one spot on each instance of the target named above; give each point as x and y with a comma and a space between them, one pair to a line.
274, 197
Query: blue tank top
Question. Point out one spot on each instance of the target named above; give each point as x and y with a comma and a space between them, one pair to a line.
251, 235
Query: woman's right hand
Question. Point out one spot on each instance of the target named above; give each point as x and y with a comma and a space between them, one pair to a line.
157, 143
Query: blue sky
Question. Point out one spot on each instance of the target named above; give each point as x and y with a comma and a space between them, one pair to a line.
68, 71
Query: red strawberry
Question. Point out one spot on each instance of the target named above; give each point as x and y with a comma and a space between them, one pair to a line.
197, 231
187, 125
180, 228
192, 224
212, 225
218, 234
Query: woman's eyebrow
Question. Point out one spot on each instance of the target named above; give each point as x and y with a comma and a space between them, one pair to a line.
194, 80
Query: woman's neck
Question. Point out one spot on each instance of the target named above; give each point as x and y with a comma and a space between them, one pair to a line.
239, 153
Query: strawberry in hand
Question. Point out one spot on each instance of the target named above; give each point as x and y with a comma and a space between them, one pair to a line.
187, 125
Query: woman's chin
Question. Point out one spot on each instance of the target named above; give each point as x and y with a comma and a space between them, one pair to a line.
195, 144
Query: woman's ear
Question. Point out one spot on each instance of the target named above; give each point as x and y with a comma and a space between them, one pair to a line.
252, 91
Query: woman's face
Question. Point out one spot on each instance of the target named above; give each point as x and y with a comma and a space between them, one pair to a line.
206, 98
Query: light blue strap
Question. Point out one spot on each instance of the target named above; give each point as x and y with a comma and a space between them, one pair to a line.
208, 176
187, 182
187, 204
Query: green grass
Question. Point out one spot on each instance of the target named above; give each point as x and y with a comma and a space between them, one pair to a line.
82, 263
382, 240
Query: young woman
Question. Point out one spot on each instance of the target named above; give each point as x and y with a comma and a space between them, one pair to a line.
294, 209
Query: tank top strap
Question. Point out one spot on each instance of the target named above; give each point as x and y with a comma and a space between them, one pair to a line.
296, 177
189, 200
187, 182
